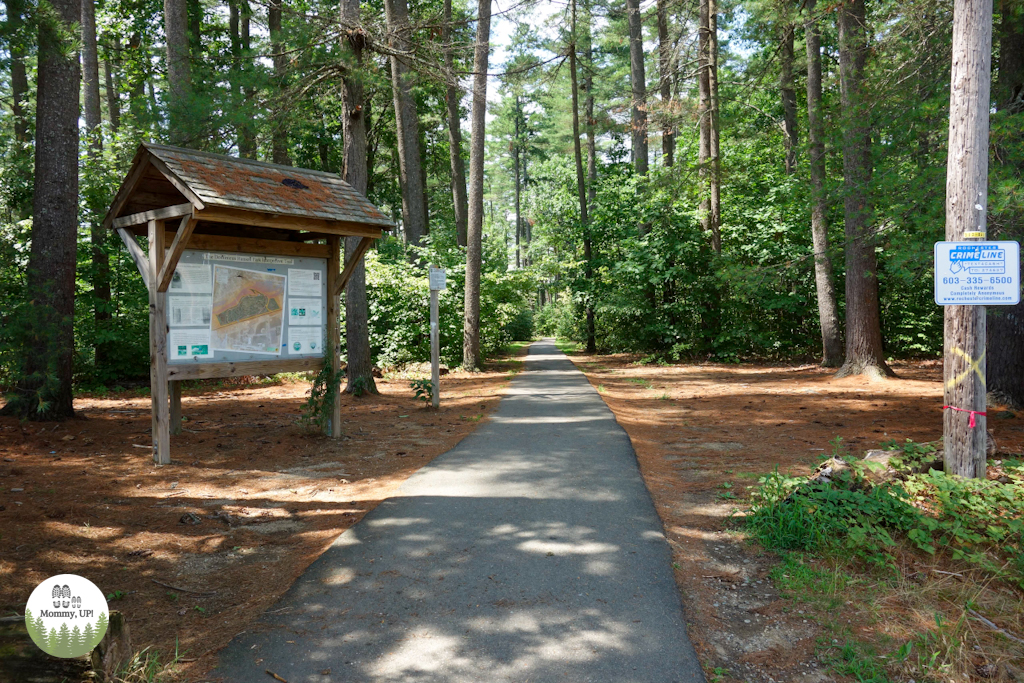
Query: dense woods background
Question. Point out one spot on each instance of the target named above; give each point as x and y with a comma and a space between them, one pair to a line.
754, 179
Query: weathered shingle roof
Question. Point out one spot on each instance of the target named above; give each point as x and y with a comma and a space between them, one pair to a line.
220, 180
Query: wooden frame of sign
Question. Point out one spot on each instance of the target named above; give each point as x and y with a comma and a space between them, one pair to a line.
182, 199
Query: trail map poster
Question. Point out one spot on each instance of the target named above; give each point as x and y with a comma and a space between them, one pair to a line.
248, 310
246, 307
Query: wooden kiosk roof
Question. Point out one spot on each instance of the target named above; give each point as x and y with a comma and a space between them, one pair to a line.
170, 182
183, 199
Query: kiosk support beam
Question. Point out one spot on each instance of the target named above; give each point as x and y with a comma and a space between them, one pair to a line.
185, 228
333, 326
158, 348
353, 261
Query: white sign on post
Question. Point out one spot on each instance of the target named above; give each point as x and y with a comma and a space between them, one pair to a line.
438, 279
977, 273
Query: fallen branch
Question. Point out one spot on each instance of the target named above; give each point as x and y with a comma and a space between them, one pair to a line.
275, 676
183, 590
995, 628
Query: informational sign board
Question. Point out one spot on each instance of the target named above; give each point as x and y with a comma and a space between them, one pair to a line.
225, 307
438, 279
977, 273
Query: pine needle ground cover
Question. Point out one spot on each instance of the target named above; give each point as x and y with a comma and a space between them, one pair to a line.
841, 603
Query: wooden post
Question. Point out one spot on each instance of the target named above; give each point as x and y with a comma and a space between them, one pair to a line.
175, 420
158, 348
966, 200
435, 351
334, 330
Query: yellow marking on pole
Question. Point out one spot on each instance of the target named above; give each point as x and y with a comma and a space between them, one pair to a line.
973, 366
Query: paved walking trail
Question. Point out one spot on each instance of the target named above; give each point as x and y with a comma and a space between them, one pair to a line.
530, 552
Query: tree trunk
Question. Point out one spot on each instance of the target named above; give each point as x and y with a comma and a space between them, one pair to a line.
44, 391
715, 215
179, 70
668, 140
100, 274
471, 323
414, 216
515, 167
246, 135
964, 434
1009, 86
279, 126
19, 78
787, 92
824, 279
638, 87
357, 312
588, 87
113, 100
707, 83
195, 29
1005, 356
864, 353
452, 96
581, 187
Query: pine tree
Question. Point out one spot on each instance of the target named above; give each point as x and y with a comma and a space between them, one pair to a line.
77, 644
63, 648
101, 626
89, 636
31, 626
51, 641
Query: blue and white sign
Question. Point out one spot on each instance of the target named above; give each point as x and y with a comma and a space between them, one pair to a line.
977, 273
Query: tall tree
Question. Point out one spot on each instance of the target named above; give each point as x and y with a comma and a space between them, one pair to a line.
279, 127
787, 93
1005, 355
471, 322
179, 69
19, 79
110, 62
44, 391
824, 279
357, 311
581, 185
517, 150
963, 428
452, 97
864, 353
414, 209
707, 150
100, 274
668, 140
638, 87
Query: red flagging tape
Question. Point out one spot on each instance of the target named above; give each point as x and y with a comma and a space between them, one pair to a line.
972, 423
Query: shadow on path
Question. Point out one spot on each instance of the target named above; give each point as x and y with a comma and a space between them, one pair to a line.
530, 552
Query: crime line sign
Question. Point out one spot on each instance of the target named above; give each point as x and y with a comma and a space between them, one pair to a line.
977, 273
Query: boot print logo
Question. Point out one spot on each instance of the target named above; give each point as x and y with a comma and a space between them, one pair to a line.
66, 615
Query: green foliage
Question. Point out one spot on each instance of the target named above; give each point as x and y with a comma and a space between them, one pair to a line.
424, 389
323, 393
973, 520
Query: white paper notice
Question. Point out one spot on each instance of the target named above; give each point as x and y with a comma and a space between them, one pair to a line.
305, 282
304, 312
189, 344
191, 278
304, 341
189, 311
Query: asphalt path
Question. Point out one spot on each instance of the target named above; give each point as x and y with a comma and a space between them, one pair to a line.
530, 552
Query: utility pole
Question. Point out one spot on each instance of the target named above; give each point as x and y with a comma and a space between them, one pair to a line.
964, 420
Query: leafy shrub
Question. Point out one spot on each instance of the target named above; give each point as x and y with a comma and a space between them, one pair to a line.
975, 520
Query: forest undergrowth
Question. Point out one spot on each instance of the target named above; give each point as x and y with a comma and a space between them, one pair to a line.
913, 574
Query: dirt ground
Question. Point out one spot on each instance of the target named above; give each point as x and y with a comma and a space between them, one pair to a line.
194, 551
704, 434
